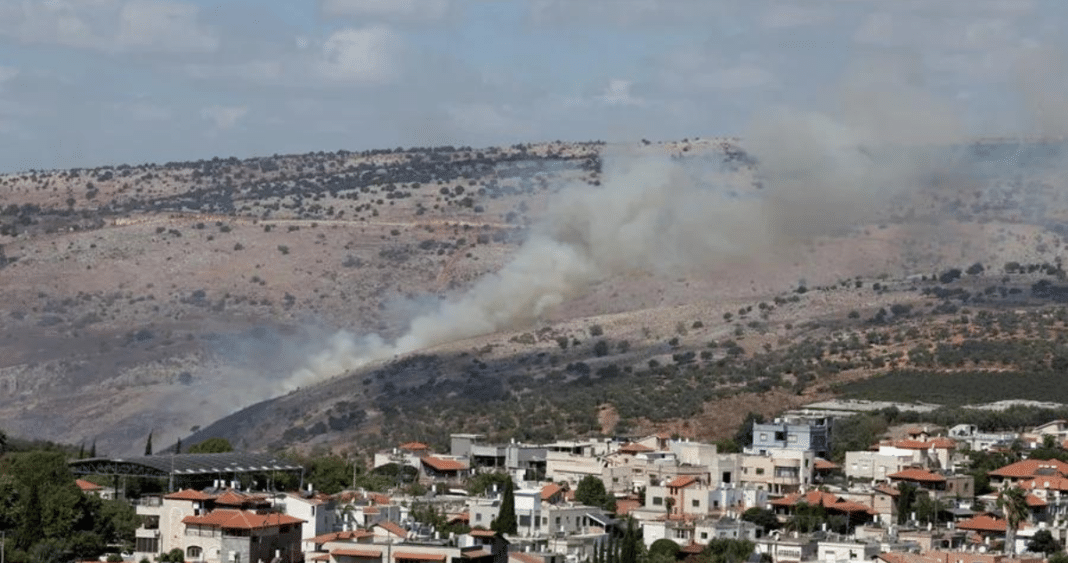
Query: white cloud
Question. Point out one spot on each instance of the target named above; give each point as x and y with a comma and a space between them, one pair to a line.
163, 26
617, 93
223, 117
386, 9
108, 25
366, 55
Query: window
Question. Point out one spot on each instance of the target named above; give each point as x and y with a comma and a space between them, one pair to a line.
780, 436
478, 517
696, 503
524, 520
760, 471
657, 501
193, 552
704, 535
763, 436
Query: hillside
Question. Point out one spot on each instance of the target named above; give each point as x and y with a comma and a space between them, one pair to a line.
165, 297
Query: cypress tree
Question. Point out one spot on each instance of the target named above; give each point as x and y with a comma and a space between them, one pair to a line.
505, 523
148, 445
92, 450
178, 446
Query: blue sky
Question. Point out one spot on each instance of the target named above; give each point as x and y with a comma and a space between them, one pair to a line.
94, 82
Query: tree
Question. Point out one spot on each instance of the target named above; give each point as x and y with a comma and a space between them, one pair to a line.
722, 550
664, 548
329, 474
744, 436
1013, 502
178, 446
762, 517
505, 522
92, 450
906, 498
632, 543
211, 446
148, 444
591, 492
1043, 542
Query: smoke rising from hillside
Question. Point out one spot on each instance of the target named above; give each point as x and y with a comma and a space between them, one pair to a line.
653, 213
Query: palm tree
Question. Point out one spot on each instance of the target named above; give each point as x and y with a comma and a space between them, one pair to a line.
1013, 502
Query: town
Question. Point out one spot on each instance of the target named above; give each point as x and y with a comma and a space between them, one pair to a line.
920, 494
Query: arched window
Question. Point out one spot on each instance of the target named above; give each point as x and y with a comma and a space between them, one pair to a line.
194, 552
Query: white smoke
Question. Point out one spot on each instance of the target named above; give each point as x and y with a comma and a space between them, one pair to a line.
654, 213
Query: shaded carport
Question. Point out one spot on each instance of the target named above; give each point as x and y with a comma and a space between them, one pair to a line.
220, 466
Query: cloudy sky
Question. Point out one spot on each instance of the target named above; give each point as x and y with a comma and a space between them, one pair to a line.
93, 82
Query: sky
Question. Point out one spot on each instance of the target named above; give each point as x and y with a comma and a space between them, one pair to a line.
87, 83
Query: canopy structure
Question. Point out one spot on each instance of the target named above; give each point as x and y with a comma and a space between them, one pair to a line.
185, 465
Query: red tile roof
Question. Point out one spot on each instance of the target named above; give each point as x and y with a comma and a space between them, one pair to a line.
1046, 483
413, 446
378, 498
188, 494
624, 506
234, 498
550, 490
634, 448
483, 533
983, 523
419, 556
888, 490
344, 535
824, 499
367, 553
682, 481
524, 557
241, 519
393, 528
920, 475
439, 464
320, 557
475, 554
87, 486
825, 465
1032, 468
1034, 502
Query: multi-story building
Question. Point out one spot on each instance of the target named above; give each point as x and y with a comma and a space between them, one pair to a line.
779, 471
216, 528
793, 433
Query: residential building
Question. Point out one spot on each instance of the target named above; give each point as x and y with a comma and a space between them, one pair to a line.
970, 435
793, 433
874, 466
787, 549
216, 527
935, 484
780, 471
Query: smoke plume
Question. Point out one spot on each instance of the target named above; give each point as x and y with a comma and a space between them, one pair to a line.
818, 172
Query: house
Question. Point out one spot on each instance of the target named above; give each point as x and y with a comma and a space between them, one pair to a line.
408, 454
228, 534
858, 513
216, 527
976, 440
1026, 470
844, 549
480, 546
874, 466
317, 511
779, 471
434, 469
933, 453
793, 433
789, 549
937, 485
